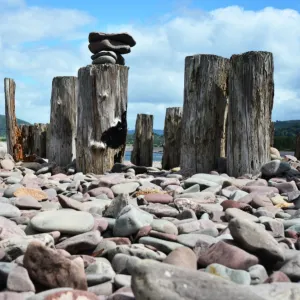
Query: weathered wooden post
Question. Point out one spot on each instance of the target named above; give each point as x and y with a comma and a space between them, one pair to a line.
10, 114
39, 139
204, 113
102, 103
48, 140
63, 116
251, 90
142, 152
297, 150
102, 117
30, 140
172, 138
24, 138
272, 133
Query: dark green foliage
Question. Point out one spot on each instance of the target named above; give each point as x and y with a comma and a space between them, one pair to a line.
287, 128
157, 139
285, 134
285, 143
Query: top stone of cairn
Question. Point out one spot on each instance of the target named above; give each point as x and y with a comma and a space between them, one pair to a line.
107, 48
123, 37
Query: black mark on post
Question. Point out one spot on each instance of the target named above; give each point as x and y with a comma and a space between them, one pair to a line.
115, 136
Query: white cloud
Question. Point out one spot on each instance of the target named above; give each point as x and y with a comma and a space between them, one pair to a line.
157, 62
38, 43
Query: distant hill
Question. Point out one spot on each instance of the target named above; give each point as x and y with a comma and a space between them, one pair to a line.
285, 134
156, 131
158, 139
287, 128
3, 124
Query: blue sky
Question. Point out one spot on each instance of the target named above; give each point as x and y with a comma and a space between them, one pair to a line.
40, 39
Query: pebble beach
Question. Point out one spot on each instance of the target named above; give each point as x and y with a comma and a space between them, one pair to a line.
145, 233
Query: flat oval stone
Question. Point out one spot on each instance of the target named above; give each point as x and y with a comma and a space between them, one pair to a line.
105, 59
125, 188
159, 198
35, 193
101, 190
64, 220
27, 202
9, 211
7, 164
104, 53
161, 245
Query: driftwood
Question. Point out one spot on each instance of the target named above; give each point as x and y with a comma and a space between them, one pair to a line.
172, 138
204, 113
39, 139
142, 152
102, 117
272, 133
62, 129
10, 114
24, 129
33, 139
297, 150
251, 90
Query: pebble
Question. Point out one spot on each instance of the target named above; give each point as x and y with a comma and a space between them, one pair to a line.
164, 226
18, 280
236, 276
222, 253
182, 257
81, 242
142, 233
254, 238
125, 188
159, 244
9, 211
130, 220
99, 272
7, 164
51, 269
27, 202
64, 220
182, 283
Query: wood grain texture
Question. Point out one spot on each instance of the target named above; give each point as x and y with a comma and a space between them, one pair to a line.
25, 138
251, 90
204, 113
101, 117
172, 138
39, 134
272, 133
34, 139
142, 152
10, 114
297, 150
63, 127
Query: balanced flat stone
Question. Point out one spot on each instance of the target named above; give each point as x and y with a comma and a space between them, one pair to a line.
123, 37
110, 45
64, 220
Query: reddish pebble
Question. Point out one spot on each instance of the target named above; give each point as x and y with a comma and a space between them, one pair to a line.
159, 198
119, 240
278, 277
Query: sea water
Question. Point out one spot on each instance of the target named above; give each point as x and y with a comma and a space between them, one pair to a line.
157, 156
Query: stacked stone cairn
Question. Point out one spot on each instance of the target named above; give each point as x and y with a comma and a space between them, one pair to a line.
139, 233
107, 48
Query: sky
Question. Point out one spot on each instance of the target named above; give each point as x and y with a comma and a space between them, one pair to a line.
41, 39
